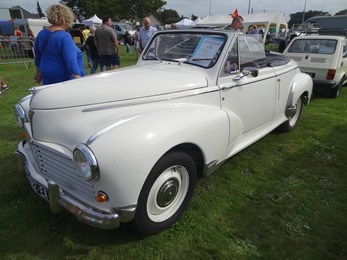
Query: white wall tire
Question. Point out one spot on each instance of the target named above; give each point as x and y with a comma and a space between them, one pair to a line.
166, 193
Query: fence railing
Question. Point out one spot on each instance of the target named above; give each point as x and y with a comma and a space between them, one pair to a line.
17, 50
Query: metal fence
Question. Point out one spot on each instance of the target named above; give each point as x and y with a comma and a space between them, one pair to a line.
14, 50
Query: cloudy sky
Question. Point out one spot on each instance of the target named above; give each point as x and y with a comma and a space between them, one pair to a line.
202, 8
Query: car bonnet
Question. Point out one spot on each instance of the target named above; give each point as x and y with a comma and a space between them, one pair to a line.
118, 85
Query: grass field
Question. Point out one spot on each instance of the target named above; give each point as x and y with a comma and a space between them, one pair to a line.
282, 198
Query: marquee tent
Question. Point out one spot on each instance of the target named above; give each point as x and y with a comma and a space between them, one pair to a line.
93, 21
184, 23
36, 25
272, 22
196, 21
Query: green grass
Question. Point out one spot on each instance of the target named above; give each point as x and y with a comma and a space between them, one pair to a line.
282, 198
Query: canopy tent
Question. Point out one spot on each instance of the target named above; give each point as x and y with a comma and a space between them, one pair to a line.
6, 28
93, 21
271, 23
184, 23
196, 21
36, 25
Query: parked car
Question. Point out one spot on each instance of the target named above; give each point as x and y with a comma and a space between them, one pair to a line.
120, 29
324, 58
77, 34
132, 148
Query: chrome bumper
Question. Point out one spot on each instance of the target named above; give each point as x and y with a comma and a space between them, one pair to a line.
58, 200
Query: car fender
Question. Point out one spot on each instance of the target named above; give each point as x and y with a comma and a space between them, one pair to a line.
301, 83
127, 152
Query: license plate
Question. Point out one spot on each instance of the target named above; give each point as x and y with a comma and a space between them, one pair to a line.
311, 74
40, 190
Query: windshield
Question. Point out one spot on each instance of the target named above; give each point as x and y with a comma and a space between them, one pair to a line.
197, 49
322, 46
126, 26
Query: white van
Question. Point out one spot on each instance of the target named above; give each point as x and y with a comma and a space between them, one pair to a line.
324, 58
120, 29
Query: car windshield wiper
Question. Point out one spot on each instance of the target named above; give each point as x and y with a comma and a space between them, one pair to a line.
201, 58
152, 56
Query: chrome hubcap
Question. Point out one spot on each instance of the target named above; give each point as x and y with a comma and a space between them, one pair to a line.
167, 192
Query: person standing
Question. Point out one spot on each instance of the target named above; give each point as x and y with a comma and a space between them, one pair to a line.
128, 40
17, 32
86, 32
237, 22
57, 58
146, 32
94, 55
107, 44
137, 42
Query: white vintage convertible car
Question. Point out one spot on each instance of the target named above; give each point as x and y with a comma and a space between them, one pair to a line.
128, 145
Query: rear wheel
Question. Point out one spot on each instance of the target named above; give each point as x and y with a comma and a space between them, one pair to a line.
166, 193
293, 120
335, 92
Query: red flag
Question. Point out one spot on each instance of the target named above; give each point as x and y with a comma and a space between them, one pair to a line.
235, 14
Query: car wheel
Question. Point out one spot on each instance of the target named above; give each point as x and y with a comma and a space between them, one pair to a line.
293, 120
335, 92
166, 193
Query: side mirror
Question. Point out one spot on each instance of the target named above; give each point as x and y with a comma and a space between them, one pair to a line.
247, 71
250, 71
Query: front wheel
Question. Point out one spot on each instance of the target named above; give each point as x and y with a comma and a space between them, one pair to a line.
166, 193
293, 120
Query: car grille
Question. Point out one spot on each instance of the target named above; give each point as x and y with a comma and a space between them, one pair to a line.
61, 170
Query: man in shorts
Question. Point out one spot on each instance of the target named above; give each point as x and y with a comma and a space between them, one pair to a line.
107, 44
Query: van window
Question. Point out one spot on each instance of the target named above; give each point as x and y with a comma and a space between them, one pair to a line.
321, 46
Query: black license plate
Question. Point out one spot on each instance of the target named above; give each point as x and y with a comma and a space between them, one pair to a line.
40, 190
311, 74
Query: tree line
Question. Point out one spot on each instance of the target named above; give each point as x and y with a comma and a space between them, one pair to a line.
137, 9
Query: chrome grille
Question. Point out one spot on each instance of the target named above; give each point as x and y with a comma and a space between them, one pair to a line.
61, 169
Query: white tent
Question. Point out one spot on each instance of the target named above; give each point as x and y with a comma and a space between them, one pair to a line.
184, 23
36, 25
93, 21
272, 22
196, 21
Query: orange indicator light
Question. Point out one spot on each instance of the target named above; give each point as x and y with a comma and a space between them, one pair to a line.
101, 197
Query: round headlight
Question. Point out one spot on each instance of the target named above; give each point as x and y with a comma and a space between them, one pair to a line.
20, 115
86, 163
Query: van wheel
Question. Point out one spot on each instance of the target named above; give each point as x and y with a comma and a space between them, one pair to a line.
335, 92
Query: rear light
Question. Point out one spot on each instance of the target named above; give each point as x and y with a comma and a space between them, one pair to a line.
331, 74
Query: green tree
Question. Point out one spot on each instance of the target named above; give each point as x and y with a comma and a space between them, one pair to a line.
39, 10
296, 18
131, 9
342, 12
116, 9
167, 16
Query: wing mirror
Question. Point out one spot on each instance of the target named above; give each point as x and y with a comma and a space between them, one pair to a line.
247, 71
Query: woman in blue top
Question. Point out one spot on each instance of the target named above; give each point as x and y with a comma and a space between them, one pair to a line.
57, 57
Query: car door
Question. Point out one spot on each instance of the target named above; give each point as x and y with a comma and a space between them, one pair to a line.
248, 100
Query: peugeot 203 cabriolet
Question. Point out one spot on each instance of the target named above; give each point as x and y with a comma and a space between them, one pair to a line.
128, 145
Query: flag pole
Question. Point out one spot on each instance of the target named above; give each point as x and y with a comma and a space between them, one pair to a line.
209, 12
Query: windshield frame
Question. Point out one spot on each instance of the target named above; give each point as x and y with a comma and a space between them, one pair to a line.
198, 48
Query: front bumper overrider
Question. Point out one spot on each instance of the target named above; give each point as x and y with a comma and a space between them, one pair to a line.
58, 200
